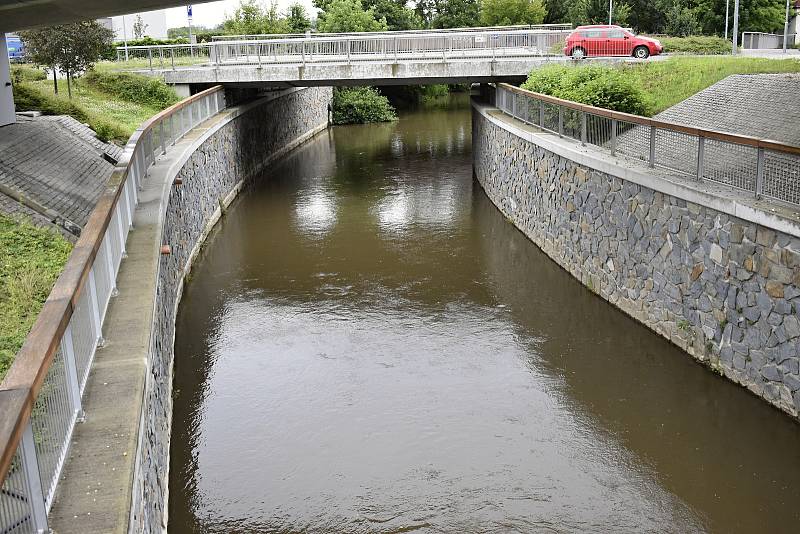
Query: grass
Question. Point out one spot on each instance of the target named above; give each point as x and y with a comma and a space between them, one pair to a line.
676, 79
144, 63
31, 259
110, 115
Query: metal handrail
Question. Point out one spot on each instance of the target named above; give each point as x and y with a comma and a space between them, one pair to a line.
265, 36
764, 167
88, 277
342, 48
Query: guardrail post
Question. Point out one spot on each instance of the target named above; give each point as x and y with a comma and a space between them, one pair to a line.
94, 310
513, 105
613, 137
71, 370
652, 161
112, 277
395, 49
30, 465
303, 52
150, 58
760, 173
161, 58
583, 128
173, 137
701, 149
348, 51
161, 137
172, 57
541, 114
560, 121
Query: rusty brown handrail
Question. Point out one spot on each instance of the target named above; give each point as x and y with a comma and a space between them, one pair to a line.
646, 121
22, 383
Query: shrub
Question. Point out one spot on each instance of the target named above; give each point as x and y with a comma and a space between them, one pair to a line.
29, 98
596, 85
696, 44
26, 73
360, 105
133, 88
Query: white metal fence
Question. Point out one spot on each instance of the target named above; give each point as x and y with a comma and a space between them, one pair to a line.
40, 398
762, 168
387, 46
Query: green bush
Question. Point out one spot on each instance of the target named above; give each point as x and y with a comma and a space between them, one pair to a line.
596, 85
26, 73
133, 88
29, 98
360, 105
696, 44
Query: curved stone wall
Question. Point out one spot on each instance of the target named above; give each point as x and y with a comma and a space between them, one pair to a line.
211, 173
717, 276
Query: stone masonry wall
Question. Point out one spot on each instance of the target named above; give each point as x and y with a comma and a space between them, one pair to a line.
725, 290
211, 176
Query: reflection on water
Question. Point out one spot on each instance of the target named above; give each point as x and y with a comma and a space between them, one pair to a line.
368, 346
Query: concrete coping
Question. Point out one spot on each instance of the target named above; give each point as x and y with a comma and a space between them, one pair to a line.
768, 213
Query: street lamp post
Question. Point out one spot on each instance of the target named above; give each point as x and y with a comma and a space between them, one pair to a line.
727, 16
735, 49
610, 11
786, 27
125, 36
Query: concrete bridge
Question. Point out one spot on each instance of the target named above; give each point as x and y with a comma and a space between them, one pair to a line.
386, 58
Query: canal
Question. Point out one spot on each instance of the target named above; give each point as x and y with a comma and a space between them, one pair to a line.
367, 346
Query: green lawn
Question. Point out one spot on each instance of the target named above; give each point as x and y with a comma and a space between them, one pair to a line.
134, 63
30, 261
111, 117
676, 79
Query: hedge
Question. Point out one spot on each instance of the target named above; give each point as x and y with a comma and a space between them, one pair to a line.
360, 105
133, 88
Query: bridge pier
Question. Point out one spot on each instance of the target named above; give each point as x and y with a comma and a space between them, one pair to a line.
7, 115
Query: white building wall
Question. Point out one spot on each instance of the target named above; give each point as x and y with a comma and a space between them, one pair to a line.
156, 22
6, 95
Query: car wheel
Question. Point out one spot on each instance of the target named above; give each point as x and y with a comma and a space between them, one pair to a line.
641, 52
578, 53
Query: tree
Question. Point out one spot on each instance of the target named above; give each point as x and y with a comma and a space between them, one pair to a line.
512, 12
69, 48
297, 19
455, 14
596, 12
139, 27
342, 16
251, 18
556, 11
681, 21
397, 14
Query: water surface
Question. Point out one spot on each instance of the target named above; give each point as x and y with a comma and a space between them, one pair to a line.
366, 345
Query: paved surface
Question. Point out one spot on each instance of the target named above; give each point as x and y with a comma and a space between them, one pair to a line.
57, 165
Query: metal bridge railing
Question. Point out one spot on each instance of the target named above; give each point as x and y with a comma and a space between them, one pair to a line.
761, 167
40, 397
313, 35
348, 48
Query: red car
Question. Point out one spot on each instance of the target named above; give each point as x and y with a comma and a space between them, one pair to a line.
605, 40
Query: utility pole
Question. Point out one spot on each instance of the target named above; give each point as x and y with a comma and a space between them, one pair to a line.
125, 36
610, 10
735, 49
786, 27
727, 16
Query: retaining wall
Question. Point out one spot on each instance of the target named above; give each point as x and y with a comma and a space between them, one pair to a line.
717, 275
211, 174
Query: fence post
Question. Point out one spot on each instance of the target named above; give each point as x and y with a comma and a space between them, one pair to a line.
613, 137
395, 49
94, 310
161, 137
760, 173
583, 128
652, 162
30, 465
513, 104
150, 58
348, 51
172, 57
303, 52
71, 370
560, 121
701, 149
541, 114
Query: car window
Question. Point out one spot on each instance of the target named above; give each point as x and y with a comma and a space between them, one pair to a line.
591, 34
616, 34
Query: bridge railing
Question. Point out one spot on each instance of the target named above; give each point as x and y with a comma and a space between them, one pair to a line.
761, 167
266, 36
348, 48
40, 397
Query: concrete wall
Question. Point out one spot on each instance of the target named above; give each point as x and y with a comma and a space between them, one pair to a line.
6, 95
212, 174
716, 275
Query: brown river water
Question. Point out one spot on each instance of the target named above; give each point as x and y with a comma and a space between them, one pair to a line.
367, 346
